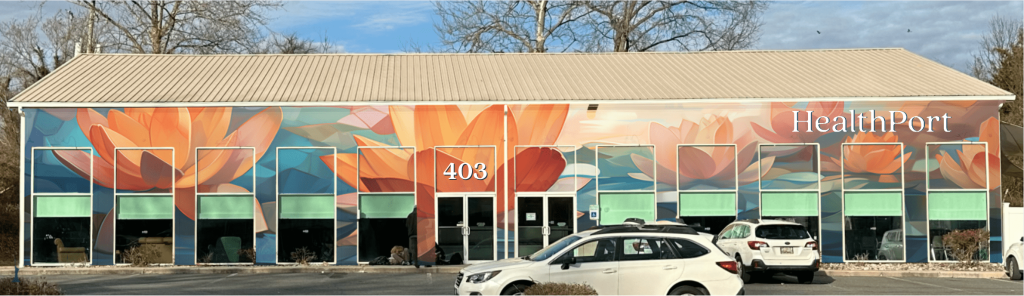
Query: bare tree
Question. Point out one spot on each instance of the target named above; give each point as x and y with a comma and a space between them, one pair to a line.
673, 25
1001, 34
26, 56
292, 44
198, 27
508, 26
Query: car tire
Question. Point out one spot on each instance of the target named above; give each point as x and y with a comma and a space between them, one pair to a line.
805, 277
688, 290
515, 289
744, 275
1014, 270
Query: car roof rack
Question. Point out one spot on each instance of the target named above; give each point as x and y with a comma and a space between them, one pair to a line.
753, 221
634, 225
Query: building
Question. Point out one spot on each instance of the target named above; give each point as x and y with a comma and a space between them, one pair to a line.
229, 159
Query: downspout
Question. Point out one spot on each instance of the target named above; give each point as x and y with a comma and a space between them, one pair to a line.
21, 194
504, 147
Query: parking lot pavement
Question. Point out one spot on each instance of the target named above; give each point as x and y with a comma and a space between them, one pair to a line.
441, 284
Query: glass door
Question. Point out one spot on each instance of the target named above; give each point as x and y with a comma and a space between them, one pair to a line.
480, 230
561, 218
450, 226
530, 224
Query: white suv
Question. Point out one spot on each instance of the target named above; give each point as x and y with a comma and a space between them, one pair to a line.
1013, 259
766, 246
627, 259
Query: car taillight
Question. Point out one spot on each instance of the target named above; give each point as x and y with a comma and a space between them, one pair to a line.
757, 245
730, 266
812, 245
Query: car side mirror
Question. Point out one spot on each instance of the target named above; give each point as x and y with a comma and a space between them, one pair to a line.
567, 262
714, 240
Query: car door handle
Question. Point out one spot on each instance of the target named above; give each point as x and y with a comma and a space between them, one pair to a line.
609, 271
670, 267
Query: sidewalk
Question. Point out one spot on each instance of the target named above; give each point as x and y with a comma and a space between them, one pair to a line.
108, 270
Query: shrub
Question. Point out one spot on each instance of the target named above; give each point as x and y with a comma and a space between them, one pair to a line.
303, 256
964, 244
28, 287
140, 255
247, 255
560, 289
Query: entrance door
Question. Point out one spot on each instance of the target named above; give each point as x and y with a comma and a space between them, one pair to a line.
465, 226
542, 220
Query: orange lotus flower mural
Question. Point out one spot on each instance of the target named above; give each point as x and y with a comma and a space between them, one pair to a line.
782, 122
184, 129
883, 160
425, 127
970, 171
713, 163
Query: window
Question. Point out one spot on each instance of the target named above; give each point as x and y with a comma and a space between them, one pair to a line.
782, 232
727, 232
790, 189
688, 249
593, 251
619, 196
873, 200
646, 249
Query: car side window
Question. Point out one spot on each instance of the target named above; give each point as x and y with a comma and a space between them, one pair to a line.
646, 249
601, 250
742, 231
688, 249
726, 232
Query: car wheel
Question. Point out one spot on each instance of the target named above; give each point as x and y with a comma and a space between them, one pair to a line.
805, 277
515, 289
1014, 270
739, 269
688, 290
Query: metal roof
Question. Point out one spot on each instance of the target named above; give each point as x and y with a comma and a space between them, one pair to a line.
393, 78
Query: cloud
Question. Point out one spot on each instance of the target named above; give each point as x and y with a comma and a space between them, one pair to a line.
397, 14
946, 32
300, 13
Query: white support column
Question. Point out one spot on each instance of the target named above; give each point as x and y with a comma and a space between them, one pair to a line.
504, 144
21, 193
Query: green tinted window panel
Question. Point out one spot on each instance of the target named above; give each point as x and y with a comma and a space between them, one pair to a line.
789, 204
381, 206
695, 204
304, 206
873, 204
226, 206
145, 207
617, 207
62, 206
956, 206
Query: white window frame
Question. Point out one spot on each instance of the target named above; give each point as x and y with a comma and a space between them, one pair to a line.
928, 191
465, 201
360, 193
901, 191
195, 208
542, 194
761, 190
174, 179
654, 183
736, 187
32, 202
277, 205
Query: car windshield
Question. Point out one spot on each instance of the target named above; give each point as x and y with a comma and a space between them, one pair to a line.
552, 249
781, 232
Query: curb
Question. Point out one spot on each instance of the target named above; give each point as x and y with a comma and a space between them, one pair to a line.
926, 274
9, 271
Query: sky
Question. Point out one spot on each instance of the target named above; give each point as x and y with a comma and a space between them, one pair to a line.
944, 31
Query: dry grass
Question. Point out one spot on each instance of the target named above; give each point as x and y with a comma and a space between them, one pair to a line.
141, 255
560, 289
247, 255
303, 256
8, 234
28, 287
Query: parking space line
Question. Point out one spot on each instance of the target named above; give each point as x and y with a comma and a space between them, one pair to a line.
221, 279
927, 284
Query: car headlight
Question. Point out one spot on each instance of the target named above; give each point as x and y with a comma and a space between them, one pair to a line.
483, 276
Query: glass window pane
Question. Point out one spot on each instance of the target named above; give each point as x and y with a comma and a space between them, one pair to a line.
226, 206
874, 204
307, 206
688, 249
386, 205
707, 204
956, 206
789, 204
58, 206
617, 207
138, 207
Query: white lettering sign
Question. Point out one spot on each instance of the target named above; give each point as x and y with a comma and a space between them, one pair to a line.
856, 122
464, 171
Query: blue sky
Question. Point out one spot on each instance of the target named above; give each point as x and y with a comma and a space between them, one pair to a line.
944, 31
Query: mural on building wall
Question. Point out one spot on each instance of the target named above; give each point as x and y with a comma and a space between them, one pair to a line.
474, 128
